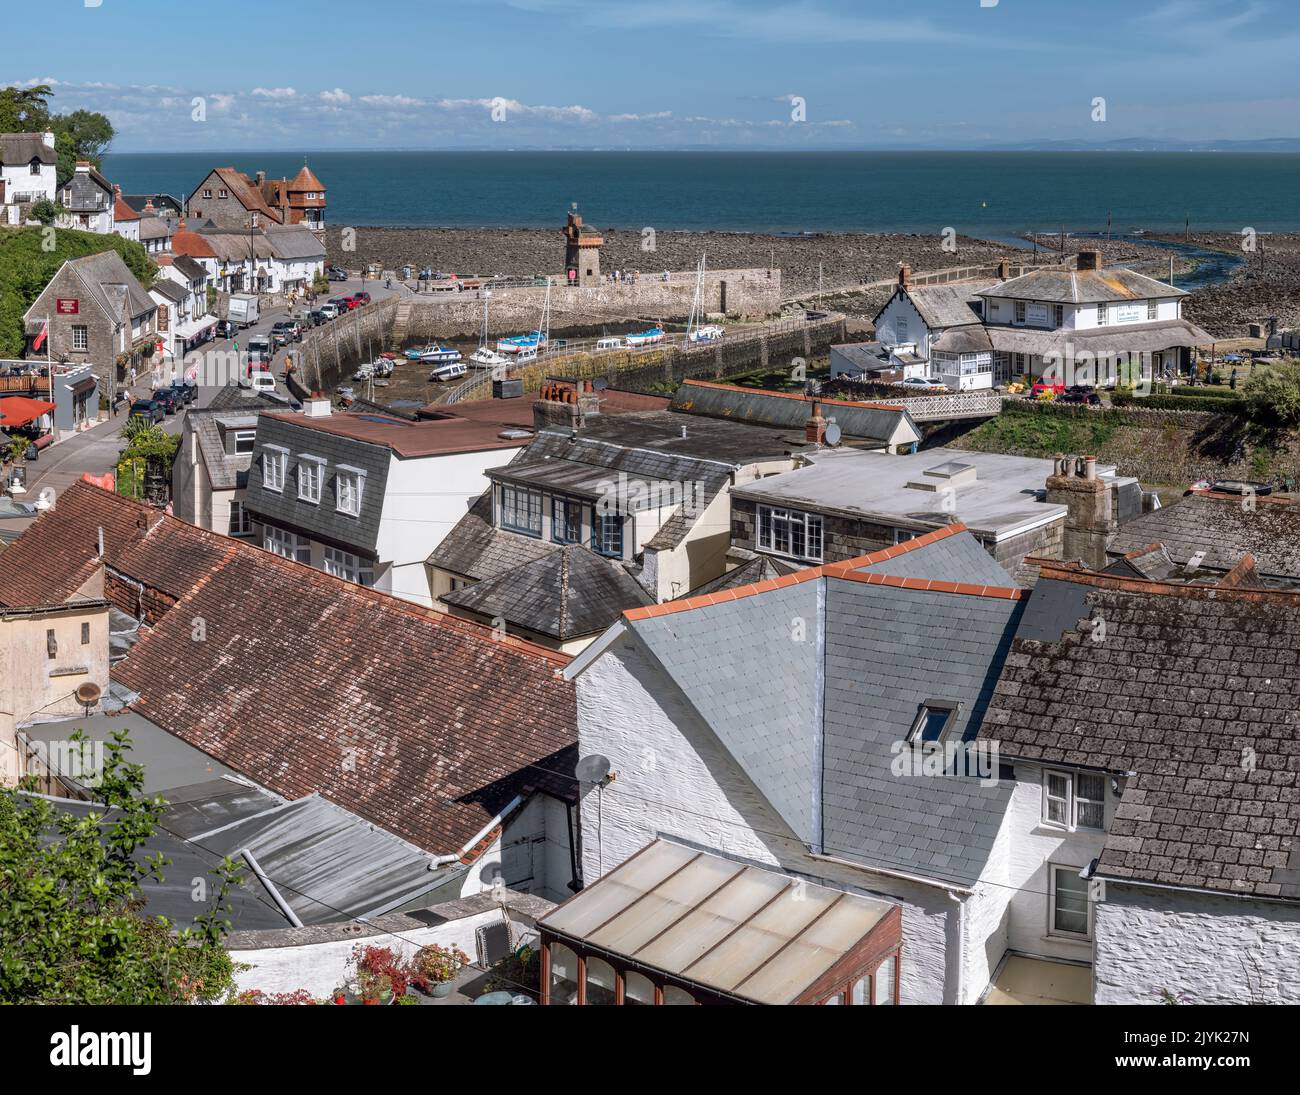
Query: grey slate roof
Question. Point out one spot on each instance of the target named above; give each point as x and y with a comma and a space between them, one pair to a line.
1083, 286
321, 520
172, 290
813, 720
191, 268
761, 568
943, 306
225, 470
235, 397
1222, 527
956, 559
866, 421
565, 594
759, 691
474, 549
1193, 689
87, 192
727, 442
109, 281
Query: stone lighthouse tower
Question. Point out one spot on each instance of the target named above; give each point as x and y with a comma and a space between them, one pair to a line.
581, 251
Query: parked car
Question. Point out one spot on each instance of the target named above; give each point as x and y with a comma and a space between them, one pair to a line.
1080, 393
185, 391
361, 298
924, 384
352, 302
291, 327
328, 311
336, 273
148, 408
170, 401
1047, 389
225, 329
341, 303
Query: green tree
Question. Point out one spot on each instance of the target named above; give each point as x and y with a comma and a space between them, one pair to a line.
81, 135
71, 929
25, 109
45, 211
1272, 396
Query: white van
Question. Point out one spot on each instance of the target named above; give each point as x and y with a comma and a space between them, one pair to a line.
261, 381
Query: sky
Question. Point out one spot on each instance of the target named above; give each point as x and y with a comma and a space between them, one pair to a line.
797, 74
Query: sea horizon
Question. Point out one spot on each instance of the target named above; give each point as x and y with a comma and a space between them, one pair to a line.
976, 192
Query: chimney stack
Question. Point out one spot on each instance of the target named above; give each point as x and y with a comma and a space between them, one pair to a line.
1004, 269
1088, 520
1089, 260
318, 406
261, 177
814, 429
904, 276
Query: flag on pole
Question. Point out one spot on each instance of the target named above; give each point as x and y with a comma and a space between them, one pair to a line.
39, 340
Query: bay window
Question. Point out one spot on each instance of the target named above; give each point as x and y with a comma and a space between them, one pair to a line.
521, 510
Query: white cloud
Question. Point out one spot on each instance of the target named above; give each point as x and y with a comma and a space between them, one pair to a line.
274, 92
338, 95
391, 100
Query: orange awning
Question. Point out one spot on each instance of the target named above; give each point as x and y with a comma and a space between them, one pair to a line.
20, 410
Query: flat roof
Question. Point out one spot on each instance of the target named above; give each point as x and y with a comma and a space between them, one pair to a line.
1001, 498
745, 931
682, 434
409, 440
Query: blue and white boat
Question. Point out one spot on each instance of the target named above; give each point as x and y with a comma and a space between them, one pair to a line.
645, 338
710, 332
534, 340
440, 355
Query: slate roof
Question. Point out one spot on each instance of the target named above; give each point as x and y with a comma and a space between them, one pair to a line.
1083, 286
673, 433
17, 149
295, 242
474, 549
814, 722
1224, 528
761, 568
566, 594
87, 192
943, 306
187, 266
172, 290
1193, 689
864, 421
107, 280
954, 558
226, 471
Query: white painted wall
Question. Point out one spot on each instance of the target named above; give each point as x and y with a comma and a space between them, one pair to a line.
423, 500
676, 780
1217, 950
890, 332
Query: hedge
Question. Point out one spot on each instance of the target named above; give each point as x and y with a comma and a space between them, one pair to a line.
1212, 404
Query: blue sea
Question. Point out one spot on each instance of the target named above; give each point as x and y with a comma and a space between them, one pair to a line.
986, 194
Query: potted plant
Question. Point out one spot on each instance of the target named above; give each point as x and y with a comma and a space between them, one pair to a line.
374, 988
440, 965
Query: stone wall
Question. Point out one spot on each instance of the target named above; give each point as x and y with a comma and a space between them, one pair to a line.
335, 348
736, 294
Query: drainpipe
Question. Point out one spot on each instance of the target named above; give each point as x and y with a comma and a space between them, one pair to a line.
959, 973
443, 860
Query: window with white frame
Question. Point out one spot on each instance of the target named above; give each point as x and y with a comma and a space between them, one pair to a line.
1074, 800
1069, 905
352, 568
566, 521
245, 440
80, 337
349, 485
607, 534
311, 473
1103, 314
790, 532
275, 460
521, 510
1058, 315
1020, 311
241, 522
287, 544
1153, 309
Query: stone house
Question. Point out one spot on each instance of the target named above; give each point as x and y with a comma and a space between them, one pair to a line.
98, 314
230, 199
88, 201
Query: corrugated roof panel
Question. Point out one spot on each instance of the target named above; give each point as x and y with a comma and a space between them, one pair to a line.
669, 902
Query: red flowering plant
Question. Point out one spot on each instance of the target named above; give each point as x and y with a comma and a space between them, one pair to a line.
276, 999
373, 963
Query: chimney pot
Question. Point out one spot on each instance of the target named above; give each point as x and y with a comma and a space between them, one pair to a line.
1004, 269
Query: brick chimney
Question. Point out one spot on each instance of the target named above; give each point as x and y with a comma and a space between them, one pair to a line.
1089, 260
904, 276
1088, 521
261, 177
814, 429
1004, 269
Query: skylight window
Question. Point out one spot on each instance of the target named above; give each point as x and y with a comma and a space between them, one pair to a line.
934, 720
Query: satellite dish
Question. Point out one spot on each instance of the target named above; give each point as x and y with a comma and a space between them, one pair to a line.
88, 694
833, 434
592, 769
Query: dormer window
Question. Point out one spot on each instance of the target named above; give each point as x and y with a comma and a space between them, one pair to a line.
35, 167
311, 474
275, 460
349, 485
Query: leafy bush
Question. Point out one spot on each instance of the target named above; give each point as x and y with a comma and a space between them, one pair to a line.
1272, 396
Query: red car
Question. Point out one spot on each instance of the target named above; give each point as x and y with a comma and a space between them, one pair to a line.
361, 298
1041, 387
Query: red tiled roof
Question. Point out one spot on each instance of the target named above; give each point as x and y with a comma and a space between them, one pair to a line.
245, 191
422, 723
122, 211
185, 242
306, 180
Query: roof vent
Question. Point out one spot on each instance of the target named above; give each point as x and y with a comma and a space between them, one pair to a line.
515, 435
